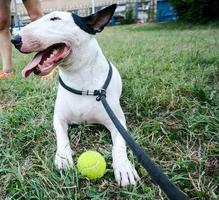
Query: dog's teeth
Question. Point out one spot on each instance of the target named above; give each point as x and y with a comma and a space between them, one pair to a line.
55, 51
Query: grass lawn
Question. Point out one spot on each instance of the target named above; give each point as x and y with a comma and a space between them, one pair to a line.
170, 97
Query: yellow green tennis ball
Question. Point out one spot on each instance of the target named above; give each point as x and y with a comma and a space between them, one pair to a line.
91, 164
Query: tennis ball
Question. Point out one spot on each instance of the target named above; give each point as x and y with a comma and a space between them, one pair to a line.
91, 164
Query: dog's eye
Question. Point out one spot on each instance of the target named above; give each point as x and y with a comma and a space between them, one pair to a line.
55, 18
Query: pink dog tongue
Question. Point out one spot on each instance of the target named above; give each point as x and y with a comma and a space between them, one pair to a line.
31, 65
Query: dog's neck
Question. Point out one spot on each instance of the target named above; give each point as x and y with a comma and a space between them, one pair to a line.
86, 68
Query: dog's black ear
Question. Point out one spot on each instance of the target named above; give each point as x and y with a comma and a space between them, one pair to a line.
96, 22
101, 18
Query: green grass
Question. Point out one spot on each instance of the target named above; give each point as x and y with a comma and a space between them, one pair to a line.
170, 98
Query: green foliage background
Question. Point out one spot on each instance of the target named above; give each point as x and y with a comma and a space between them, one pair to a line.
198, 11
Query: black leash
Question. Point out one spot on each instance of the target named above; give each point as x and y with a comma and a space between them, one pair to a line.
153, 170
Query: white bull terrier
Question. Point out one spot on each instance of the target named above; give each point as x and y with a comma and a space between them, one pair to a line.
68, 40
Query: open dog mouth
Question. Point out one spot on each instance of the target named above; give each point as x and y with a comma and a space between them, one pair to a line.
45, 61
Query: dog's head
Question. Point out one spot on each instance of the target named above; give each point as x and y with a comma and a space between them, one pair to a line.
55, 36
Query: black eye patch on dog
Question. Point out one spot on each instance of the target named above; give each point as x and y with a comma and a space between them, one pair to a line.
55, 18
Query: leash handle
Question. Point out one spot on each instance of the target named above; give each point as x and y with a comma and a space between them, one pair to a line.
153, 170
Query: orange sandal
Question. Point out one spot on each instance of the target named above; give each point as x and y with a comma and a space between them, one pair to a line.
4, 75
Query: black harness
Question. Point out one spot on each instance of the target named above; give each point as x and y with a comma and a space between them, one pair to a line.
153, 170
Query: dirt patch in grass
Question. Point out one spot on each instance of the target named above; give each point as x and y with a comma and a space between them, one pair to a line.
212, 165
6, 103
3, 194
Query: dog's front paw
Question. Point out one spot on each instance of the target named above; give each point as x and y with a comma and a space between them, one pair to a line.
63, 160
125, 173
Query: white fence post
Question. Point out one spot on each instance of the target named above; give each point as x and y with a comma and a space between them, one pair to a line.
93, 6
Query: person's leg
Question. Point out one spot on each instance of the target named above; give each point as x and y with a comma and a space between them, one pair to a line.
5, 37
33, 8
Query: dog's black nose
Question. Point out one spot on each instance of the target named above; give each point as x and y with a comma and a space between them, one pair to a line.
16, 40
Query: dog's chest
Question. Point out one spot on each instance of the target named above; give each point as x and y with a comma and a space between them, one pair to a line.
76, 108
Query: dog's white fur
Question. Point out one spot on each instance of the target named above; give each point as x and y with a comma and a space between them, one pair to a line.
85, 68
